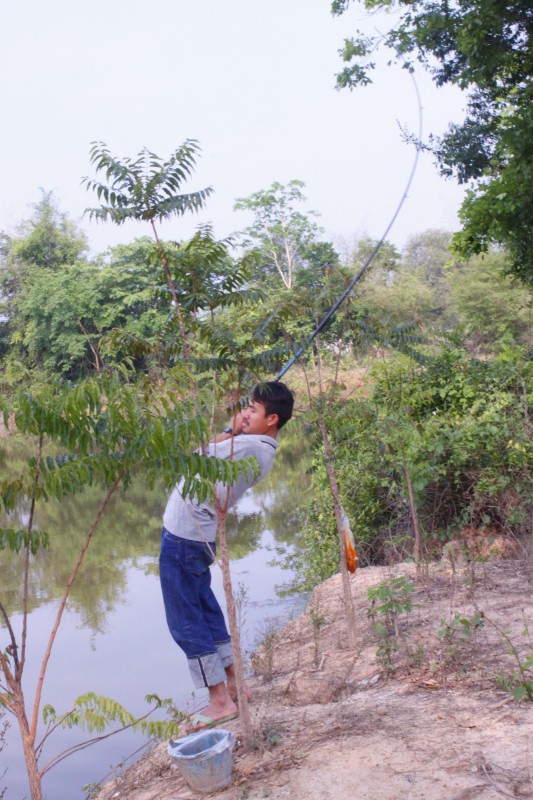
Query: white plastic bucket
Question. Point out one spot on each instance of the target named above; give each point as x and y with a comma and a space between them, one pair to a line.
205, 758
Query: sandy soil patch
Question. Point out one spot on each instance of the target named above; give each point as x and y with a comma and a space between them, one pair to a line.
426, 718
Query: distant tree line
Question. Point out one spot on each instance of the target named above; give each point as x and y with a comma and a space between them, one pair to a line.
59, 308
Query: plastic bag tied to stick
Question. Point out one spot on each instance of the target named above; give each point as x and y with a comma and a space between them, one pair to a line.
349, 543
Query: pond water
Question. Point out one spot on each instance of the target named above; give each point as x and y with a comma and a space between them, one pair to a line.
113, 638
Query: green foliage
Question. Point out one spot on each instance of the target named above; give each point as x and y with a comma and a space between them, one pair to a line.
493, 308
499, 209
144, 188
482, 47
285, 239
456, 635
33, 266
48, 239
105, 440
317, 557
461, 427
66, 313
96, 713
520, 681
388, 601
15, 540
390, 598
76, 317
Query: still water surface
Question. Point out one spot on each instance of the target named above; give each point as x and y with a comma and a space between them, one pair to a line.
113, 638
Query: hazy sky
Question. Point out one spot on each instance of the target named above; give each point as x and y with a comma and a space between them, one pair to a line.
252, 80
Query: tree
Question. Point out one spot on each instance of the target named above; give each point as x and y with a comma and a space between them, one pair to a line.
427, 254
146, 189
280, 233
64, 314
49, 239
483, 47
60, 313
197, 280
45, 244
494, 309
456, 429
99, 442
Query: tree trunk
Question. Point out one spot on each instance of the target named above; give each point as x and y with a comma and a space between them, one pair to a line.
32, 770
348, 600
238, 661
172, 289
414, 515
28, 742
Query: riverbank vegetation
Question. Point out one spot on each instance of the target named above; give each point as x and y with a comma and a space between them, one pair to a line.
414, 400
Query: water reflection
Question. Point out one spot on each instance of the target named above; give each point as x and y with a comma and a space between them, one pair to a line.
114, 640
129, 531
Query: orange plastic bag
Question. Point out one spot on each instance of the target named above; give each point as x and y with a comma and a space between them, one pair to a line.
349, 544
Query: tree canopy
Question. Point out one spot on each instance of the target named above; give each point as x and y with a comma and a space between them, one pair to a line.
484, 48
281, 234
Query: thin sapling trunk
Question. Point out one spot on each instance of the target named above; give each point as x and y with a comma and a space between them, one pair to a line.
334, 488
238, 660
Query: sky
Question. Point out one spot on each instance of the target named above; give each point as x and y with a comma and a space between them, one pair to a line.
252, 80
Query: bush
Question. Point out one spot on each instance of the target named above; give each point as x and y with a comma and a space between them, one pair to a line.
458, 426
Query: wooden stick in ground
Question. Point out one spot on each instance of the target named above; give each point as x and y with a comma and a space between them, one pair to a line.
414, 515
333, 485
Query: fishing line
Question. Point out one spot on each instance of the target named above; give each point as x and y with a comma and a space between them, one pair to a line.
357, 277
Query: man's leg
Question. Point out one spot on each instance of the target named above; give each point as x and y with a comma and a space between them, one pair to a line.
231, 683
217, 625
186, 582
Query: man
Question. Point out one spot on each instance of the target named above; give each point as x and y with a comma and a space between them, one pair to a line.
188, 549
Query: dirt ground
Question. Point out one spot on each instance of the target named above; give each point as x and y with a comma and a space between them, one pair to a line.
422, 717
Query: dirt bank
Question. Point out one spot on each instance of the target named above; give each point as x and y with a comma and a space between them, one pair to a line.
419, 714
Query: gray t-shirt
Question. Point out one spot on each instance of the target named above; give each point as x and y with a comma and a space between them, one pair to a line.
197, 521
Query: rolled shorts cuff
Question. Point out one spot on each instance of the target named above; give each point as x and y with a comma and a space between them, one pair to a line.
207, 670
225, 651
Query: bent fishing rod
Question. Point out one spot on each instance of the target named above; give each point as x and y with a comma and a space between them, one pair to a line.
357, 277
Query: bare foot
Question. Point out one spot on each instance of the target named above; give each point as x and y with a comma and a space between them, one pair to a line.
232, 690
231, 683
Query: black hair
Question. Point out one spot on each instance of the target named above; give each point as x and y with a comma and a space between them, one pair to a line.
276, 397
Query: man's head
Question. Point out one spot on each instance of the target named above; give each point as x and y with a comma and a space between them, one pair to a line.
269, 408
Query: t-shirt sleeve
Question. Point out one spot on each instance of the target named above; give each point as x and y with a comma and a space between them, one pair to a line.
242, 448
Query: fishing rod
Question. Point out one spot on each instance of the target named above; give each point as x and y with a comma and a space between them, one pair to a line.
340, 300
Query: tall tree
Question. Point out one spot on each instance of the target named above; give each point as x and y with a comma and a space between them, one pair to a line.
64, 313
49, 238
147, 189
427, 254
494, 309
197, 279
279, 232
44, 245
483, 47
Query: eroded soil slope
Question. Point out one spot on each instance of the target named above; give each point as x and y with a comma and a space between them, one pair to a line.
419, 715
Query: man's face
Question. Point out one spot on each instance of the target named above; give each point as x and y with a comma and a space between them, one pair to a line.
255, 420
